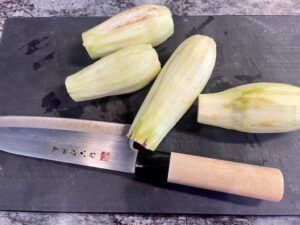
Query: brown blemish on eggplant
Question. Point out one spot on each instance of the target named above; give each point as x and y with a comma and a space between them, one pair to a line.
144, 12
145, 143
131, 22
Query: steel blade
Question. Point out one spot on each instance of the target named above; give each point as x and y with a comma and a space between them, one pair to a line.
82, 148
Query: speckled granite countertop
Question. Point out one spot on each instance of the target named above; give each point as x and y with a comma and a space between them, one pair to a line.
32, 8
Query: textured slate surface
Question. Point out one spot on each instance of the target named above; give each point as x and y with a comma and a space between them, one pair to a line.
37, 54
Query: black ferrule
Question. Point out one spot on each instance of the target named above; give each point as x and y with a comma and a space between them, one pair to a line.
152, 165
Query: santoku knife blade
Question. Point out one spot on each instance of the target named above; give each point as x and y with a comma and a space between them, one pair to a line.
103, 145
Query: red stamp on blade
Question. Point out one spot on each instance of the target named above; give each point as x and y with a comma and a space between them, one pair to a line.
105, 156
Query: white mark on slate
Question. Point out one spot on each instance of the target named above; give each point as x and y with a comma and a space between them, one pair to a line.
1, 171
265, 26
295, 25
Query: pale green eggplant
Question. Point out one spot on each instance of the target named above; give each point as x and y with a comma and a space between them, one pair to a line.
176, 88
151, 24
124, 71
253, 108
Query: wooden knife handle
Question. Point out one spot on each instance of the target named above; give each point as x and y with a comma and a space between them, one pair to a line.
235, 178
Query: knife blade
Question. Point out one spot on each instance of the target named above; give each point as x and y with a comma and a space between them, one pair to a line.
110, 149
87, 149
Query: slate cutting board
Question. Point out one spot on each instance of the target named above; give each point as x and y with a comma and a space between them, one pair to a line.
36, 55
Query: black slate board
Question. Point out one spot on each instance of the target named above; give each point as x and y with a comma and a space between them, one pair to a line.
36, 55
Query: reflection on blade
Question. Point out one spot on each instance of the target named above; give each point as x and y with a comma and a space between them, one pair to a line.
82, 148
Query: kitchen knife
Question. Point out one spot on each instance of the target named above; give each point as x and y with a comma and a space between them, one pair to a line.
103, 145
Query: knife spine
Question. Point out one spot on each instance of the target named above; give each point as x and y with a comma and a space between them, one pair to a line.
63, 124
